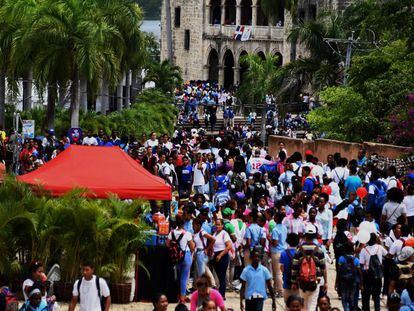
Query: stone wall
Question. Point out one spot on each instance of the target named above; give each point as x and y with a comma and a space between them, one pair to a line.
322, 147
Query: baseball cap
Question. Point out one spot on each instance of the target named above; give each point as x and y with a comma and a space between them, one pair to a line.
227, 211
405, 253
310, 229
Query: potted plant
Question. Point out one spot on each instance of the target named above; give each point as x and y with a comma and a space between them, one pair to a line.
127, 236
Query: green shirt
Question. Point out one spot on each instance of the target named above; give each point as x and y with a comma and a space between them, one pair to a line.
228, 226
272, 225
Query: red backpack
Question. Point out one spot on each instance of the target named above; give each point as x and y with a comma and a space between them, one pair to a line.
307, 272
12, 304
174, 250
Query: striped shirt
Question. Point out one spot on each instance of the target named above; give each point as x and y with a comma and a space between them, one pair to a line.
308, 249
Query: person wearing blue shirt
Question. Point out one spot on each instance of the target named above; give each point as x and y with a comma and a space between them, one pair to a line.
186, 176
255, 234
353, 182
278, 245
286, 259
308, 183
255, 278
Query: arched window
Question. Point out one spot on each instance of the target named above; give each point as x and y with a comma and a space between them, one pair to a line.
230, 12
246, 12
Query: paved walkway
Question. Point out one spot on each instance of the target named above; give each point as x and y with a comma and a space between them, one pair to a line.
233, 299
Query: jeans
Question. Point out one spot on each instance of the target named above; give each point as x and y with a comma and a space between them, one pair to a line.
347, 296
255, 304
183, 270
202, 260
221, 268
371, 288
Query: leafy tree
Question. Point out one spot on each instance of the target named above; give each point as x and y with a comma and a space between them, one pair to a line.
262, 74
344, 116
165, 76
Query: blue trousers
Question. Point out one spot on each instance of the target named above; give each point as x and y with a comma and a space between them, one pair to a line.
183, 271
202, 260
221, 268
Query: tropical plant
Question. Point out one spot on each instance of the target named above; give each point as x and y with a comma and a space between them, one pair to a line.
261, 73
68, 231
165, 76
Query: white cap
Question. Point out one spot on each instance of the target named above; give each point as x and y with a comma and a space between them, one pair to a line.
310, 229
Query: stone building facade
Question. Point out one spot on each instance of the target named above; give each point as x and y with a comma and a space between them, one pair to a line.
202, 35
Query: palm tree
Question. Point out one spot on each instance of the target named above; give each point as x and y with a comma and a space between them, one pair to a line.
262, 74
165, 76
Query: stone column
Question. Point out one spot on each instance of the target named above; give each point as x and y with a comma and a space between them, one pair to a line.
238, 13
207, 15
254, 14
223, 13
221, 75
236, 71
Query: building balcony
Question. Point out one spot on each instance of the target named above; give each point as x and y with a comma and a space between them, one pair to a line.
259, 33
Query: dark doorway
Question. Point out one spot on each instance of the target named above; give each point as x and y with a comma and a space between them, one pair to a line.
262, 55
213, 63
228, 69
279, 61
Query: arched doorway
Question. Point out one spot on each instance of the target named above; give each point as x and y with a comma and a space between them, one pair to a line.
243, 66
262, 55
246, 12
228, 69
230, 12
279, 61
213, 63
215, 12
261, 17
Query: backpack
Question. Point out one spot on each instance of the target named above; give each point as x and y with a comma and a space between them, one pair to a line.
11, 302
380, 197
347, 271
341, 184
307, 272
174, 250
404, 275
98, 287
236, 183
375, 270
259, 190
358, 216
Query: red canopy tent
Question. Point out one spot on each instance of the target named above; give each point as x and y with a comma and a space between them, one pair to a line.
101, 170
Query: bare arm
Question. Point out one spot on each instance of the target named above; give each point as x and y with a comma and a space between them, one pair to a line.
73, 303
107, 303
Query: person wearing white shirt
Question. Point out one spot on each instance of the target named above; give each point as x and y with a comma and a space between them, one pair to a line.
152, 142
199, 178
89, 290
371, 287
186, 244
394, 208
409, 204
398, 244
340, 173
391, 181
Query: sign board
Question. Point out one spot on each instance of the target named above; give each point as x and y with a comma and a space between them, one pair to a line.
28, 128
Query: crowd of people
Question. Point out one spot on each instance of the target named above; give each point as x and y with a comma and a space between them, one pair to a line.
269, 226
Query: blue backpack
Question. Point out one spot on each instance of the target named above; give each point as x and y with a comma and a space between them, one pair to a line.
380, 196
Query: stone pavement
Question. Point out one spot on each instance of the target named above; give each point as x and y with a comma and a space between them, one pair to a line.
233, 299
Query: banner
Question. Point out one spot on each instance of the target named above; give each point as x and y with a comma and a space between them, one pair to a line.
28, 128
242, 33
